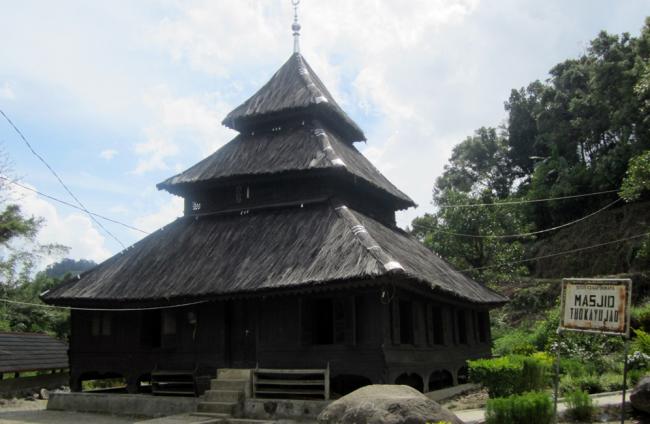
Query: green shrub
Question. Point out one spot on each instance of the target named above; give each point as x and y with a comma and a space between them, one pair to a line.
580, 407
589, 383
527, 408
640, 316
611, 382
533, 375
516, 342
634, 376
572, 367
500, 376
509, 375
641, 342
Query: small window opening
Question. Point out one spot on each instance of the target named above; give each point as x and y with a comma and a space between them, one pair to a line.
150, 330
406, 322
168, 323
196, 206
438, 326
101, 324
323, 316
483, 326
462, 327
248, 192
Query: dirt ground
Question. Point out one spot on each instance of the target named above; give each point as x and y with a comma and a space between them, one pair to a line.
15, 411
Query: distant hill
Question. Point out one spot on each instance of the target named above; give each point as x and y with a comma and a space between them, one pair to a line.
67, 265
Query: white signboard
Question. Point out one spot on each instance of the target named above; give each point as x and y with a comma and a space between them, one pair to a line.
596, 305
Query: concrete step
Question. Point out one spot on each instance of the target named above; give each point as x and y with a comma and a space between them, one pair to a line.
223, 395
212, 416
233, 374
228, 384
218, 407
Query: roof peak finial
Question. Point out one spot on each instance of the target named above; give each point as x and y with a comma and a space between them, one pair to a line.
295, 27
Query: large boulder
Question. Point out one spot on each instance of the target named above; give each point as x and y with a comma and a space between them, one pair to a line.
385, 404
640, 396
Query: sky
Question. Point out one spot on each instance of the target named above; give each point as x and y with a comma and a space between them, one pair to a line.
117, 96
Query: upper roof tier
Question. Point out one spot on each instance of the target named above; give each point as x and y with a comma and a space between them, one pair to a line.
299, 150
294, 91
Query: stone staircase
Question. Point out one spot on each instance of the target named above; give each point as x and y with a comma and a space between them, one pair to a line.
224, 402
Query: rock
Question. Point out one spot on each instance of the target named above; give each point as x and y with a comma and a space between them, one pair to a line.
640, 396
385, 404
44, 394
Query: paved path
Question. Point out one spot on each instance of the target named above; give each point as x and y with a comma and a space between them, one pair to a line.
471, 416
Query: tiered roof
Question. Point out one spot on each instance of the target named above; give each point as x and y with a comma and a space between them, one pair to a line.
291, 127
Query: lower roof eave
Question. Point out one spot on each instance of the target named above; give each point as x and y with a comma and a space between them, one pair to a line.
389, 279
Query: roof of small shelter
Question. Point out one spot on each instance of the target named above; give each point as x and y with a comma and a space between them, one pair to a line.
31, 352
294, 87
274, 152
298, 247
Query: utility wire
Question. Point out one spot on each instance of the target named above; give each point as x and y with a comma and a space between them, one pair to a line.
532, 233
565, 252
63, 202
551, 255
72, 308
519, 202
81, 205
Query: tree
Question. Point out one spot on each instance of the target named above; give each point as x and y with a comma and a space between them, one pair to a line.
479, 163
462, 236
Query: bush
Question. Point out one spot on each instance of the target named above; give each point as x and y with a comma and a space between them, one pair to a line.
572, 367
500, 376
641, 342
580, 407
640, 316
533, 375
589, 383
516, 342
509, 375
528, 408
611, 382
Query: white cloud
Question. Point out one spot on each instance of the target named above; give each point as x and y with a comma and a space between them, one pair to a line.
108, 154
190, 122
74, 230
391, 65
167, 212
7, 92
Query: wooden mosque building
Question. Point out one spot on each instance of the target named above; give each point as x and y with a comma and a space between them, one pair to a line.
287, 256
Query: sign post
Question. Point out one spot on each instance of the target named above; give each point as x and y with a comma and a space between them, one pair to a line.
600, 306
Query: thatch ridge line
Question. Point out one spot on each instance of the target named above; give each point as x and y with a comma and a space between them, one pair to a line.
366, 240
319, 97
326, 144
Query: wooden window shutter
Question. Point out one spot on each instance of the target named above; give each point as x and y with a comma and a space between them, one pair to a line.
429, 324
416, 315
395, 321
339, 317
350, 321
306, 322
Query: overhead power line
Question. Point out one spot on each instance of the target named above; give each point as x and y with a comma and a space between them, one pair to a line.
63, 202
504, 236
519, 202
47, 165
72, 308
565, 252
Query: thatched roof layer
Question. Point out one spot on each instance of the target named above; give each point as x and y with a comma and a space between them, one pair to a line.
31, 352
300, 149
269, 249
295, 89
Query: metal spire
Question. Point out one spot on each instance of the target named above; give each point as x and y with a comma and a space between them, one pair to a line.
295, 27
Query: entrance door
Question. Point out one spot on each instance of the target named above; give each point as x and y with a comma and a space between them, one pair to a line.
243, 329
